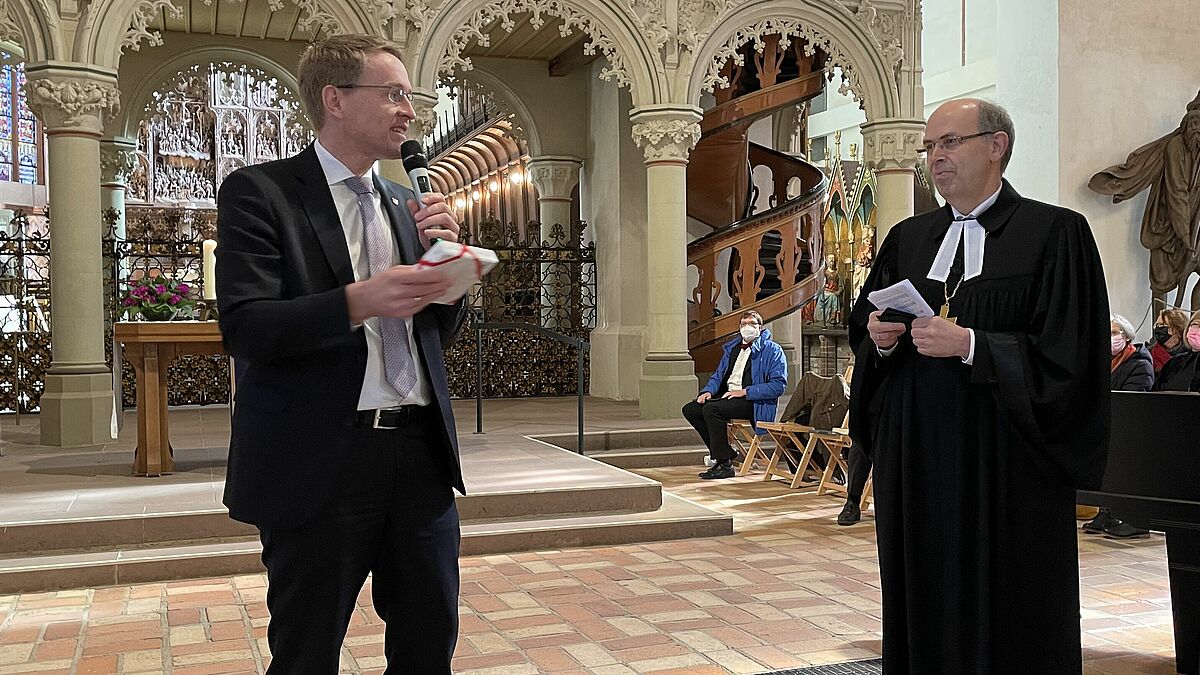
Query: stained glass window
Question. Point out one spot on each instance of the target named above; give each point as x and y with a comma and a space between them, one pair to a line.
20, 134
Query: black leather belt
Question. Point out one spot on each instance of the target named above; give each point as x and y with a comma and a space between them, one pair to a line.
389, 418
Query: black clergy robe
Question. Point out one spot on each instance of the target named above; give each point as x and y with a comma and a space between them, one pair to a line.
976, 466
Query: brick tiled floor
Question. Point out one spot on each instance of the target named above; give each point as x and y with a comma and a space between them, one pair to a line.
789, 589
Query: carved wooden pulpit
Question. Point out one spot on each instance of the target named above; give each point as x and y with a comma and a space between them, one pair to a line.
151, 346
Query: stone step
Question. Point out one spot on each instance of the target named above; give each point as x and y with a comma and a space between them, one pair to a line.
156, 529
623, 439
675, 518
650, 458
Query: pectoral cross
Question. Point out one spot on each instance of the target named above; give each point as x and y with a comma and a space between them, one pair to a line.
945, 314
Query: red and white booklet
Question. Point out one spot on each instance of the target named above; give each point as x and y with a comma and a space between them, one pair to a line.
465, 264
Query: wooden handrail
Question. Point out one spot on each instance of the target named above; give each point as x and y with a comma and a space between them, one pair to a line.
798, 265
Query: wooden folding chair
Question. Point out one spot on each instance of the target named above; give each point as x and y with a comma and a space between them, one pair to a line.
789, 435
742, 437
835, 442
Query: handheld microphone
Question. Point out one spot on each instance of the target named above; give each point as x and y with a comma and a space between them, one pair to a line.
417, 168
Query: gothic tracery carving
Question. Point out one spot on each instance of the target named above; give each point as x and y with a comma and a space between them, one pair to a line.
786, 29
474, 31
686, 28
315, 19
8, 28
139, 30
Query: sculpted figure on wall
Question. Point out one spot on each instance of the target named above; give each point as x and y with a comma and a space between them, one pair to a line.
1170, 167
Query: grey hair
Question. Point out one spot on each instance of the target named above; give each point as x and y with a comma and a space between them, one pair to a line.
993, 117
1124, 325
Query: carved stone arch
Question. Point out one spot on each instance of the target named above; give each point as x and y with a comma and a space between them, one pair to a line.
34, 25
614, 32
508, 102
111, 26
134, 97
866, 72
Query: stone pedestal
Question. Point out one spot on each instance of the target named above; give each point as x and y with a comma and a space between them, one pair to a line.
890, 147
74, 101
666, 134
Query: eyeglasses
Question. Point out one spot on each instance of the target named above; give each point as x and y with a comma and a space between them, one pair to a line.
949, 143
395, 94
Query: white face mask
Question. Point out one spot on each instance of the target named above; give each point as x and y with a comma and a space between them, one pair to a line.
750, 333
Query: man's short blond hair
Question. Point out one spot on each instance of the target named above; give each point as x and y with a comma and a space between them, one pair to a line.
337, 60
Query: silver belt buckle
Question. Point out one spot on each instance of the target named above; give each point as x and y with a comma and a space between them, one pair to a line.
375, 423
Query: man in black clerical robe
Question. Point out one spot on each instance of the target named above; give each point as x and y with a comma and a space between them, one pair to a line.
982, 420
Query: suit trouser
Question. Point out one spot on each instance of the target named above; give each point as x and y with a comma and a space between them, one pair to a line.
858, 465
392, 515
711, 419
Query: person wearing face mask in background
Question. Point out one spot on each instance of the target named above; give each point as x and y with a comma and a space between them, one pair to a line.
747, 384
1181, 372
1169, 328
1132, 367
1132, 370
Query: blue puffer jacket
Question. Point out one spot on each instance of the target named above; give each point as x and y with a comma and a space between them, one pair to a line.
769, 371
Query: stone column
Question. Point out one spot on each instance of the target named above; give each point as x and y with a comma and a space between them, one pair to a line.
890, 148
666, 133
555, 177
118, 159
786, 332
74, 101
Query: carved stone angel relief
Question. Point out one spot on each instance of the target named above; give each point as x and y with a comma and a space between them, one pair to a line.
1170, 167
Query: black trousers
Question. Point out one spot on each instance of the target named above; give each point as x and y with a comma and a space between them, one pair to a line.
393, 516
711, 419
859, 466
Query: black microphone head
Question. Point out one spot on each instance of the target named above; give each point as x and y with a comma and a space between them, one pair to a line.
414, 155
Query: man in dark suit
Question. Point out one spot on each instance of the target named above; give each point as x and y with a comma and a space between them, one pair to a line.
343, 450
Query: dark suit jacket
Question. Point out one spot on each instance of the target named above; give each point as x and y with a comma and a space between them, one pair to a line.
282, 265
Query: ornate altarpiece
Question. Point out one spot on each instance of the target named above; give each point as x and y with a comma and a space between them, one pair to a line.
207, 121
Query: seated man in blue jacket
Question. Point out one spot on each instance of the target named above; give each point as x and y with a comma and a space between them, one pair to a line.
746, 385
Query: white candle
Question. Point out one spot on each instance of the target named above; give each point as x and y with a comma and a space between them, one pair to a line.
210, 269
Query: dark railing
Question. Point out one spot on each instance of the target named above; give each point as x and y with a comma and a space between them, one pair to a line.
581, 346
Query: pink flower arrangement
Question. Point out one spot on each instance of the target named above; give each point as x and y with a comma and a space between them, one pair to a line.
158, 298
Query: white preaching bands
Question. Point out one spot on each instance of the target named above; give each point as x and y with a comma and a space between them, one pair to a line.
972, 256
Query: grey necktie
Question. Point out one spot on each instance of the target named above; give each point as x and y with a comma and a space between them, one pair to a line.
398, 363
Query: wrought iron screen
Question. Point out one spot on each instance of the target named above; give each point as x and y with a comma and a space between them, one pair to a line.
549, 283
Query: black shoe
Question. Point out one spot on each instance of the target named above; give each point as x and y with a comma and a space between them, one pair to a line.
1096, 525
723, 469
1118, 529
850, 514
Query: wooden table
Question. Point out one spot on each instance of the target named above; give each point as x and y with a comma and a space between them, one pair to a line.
151, 346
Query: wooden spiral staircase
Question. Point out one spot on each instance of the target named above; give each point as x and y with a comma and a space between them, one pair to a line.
769, 261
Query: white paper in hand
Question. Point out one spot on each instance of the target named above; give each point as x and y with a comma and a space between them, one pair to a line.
902, 297
465, 265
